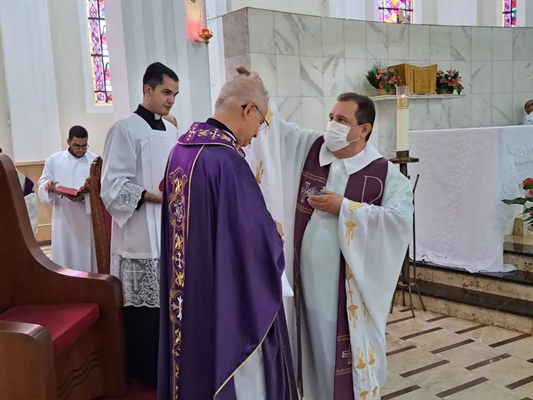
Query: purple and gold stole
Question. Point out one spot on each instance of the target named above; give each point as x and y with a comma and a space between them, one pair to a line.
364, 186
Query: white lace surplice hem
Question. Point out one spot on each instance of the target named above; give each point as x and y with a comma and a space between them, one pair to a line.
140, 280
126, 202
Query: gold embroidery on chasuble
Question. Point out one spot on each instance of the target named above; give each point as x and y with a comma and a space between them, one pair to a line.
214, 134
366, 313
350, 225
178, 210
259, 171
361, 367
219, 134
352, 308
268, 119
371, 362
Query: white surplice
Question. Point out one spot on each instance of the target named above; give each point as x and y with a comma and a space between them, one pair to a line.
374, 256
135, 158
528, 119
72, 231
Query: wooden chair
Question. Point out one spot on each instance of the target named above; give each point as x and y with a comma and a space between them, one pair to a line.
100, 217
61, 330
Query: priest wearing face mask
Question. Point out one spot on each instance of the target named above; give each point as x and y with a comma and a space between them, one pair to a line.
352, 221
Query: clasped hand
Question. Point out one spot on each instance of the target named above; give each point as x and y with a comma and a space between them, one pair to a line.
279, 227
329, 202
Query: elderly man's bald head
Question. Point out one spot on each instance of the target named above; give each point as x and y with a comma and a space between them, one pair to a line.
241, 91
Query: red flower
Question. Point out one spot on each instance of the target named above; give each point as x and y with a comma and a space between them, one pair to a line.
528, 181
530, 193
381, 85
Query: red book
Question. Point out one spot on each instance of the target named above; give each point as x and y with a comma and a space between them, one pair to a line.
161, 185
67, 191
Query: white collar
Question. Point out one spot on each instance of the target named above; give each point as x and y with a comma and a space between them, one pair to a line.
352, 164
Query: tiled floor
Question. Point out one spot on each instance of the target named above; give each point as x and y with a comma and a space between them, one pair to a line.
433, 356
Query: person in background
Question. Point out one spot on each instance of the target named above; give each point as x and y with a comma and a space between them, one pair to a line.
72, 230
528, 108
136, 151
32, 202
171, 119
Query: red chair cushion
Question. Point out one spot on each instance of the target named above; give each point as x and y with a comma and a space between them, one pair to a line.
65, 323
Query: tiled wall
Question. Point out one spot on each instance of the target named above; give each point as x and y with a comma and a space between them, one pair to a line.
306, 61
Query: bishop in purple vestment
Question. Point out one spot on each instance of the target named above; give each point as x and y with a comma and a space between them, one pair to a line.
223, 329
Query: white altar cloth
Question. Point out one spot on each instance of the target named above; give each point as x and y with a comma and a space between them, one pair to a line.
464, 175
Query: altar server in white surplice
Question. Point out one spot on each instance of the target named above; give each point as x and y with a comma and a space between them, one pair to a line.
136, 151
348, 216
72, 230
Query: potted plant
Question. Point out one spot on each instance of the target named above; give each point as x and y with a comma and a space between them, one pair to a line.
383, 78
449, 81
526, 201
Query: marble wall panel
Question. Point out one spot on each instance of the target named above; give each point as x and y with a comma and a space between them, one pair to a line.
306, 61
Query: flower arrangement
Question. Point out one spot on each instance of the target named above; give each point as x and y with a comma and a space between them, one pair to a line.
383, 78
527, 185
449, 81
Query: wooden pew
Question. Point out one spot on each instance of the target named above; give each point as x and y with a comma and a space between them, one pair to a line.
101, 219
61, 330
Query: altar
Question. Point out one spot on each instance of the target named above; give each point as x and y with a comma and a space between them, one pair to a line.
461, 221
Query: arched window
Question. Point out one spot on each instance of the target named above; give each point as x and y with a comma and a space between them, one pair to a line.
395, 11
101, 75
509, 13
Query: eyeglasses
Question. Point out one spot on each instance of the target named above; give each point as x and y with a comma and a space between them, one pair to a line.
80, 147
264, 124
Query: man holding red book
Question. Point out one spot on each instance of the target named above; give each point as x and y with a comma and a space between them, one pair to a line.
61, 186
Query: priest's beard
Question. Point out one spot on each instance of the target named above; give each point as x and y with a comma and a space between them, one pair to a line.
74, 154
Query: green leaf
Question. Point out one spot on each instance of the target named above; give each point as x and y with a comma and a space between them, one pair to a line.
371, 73
528, 186
518, 200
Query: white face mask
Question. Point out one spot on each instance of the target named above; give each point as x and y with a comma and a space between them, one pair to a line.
335, 136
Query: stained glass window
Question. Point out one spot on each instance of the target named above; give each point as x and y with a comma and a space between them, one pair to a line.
509, 13
394, 11
101, 74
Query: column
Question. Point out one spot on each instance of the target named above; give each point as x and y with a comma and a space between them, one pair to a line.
30, 80
217, 69
354, 9
142, 32
524, 17
490, 13
450, 12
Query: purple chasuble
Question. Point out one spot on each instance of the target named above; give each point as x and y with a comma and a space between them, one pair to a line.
28, 187
359, 189
221, 266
